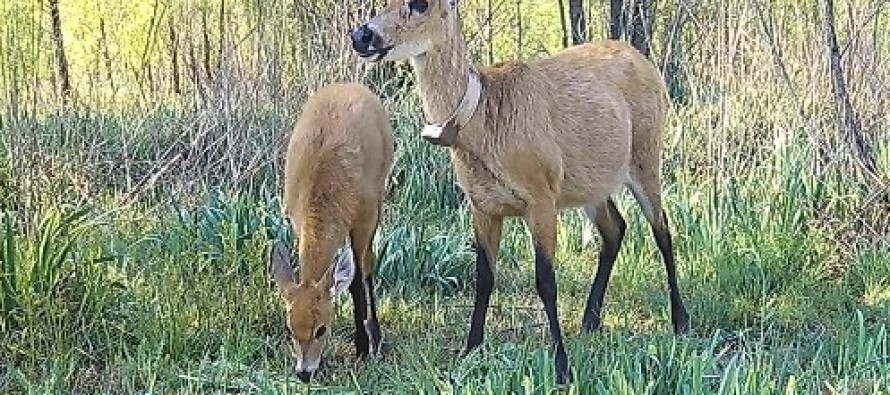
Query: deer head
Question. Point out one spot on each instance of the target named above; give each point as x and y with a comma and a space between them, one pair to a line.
405, 29
309, 305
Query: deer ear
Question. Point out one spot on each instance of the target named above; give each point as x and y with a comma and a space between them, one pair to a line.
280, 266
344, 271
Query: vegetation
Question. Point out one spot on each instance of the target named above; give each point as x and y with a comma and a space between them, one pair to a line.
138, 204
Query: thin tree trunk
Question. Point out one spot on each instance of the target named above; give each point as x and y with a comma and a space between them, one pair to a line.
562, 23
195, 72
849, 122
673, 64
578, 21
61, 59
632, 20
641, 28
106, 56
222, 34
616, 19
145, 69
519, 28
174, 59
206, 41
489, 31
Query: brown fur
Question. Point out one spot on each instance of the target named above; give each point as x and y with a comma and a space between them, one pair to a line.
564, 131
338, 159
547, 134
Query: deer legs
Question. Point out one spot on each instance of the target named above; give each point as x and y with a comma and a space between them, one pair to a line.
488, 238
611, 227
367, 336
541, 221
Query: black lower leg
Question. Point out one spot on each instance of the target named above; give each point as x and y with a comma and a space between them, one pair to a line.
611, 227
545, 282
679, 317
372, 326
360, 312
484, 286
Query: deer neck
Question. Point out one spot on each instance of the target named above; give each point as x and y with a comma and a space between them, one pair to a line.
443, 75
318, 243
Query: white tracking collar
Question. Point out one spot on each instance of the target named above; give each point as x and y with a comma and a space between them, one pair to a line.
445, 133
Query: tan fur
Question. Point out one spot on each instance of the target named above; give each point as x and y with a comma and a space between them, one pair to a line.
564, 131
338, 159
548, 134
572, 127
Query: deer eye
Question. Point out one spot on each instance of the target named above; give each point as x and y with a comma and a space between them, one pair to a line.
320, 331
418, 6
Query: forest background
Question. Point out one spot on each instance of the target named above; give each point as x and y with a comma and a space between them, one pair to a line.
141, 145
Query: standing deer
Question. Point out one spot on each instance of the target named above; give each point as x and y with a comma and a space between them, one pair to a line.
531, 138
339, 157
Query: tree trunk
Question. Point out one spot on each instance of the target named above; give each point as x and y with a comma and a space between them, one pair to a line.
849, 122
174, 59
206, 41
518, 28
640, 13
641, 28
673, 64
106, 56
562, 23
489, 31
59, 42
616, 19
145, 68
222, 36
195, 72
578, 22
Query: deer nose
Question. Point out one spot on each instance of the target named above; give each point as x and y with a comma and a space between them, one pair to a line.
304, 376
362, 38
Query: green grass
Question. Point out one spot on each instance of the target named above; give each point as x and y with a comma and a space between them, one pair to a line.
134, 223
170, 294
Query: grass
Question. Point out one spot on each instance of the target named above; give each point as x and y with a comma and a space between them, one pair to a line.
172, 296
133, 243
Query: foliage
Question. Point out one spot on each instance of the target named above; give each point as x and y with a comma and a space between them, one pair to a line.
136, 221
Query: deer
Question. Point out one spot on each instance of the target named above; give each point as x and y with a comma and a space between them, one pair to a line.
338, 159
530, 138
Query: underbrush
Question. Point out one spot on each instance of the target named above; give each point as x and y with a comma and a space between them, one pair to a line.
121, 295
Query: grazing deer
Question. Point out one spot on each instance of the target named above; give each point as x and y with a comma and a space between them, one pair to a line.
531, 138
339, 157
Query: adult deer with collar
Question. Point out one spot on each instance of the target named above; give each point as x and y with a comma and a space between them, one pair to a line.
531, 138
338, 159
